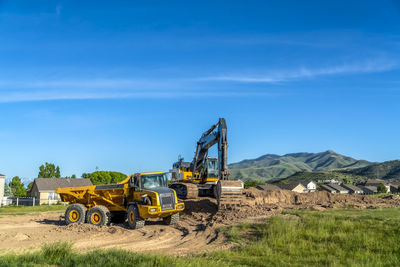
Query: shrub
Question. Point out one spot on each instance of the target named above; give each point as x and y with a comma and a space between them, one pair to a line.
382, 188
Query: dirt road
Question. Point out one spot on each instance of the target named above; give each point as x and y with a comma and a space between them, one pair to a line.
196, 231
27, 232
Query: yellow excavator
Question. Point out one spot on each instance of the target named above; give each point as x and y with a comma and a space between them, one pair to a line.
205, 176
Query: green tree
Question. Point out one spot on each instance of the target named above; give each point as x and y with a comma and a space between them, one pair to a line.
252, 183
17, 187
382, 188
49, 170
29, 187
73, 176
104, 177
7, 190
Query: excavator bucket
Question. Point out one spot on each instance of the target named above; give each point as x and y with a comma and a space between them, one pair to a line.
229, 194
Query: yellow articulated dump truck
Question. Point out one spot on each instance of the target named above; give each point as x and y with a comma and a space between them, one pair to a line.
139, 197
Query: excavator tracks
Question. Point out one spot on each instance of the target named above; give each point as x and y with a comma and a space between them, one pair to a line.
229, 194
185, 190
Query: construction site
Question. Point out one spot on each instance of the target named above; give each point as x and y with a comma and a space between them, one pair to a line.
146, 212
196, 232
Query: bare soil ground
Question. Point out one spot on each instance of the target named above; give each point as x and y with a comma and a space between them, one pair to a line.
196, 231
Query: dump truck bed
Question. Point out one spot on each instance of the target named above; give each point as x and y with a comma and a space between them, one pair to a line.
110, 196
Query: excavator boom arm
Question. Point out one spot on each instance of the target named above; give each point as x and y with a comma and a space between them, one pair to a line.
216, 134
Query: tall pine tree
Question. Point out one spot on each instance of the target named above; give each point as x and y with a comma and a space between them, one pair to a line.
17, 187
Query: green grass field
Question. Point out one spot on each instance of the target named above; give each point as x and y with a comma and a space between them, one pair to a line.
296, 238
22, 210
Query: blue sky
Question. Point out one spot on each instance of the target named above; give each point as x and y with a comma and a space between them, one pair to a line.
130, 85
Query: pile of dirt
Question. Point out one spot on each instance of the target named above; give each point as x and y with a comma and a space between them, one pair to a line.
259, 203
289, 199
196, 231
89, 228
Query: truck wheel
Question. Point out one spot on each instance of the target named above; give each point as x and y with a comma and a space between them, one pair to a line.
134, 220
75, 213
172, 219
99, 215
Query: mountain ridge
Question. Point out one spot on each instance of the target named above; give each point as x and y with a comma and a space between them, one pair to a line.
272, 166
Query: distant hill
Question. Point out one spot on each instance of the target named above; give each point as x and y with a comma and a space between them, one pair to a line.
270, 166
388, 170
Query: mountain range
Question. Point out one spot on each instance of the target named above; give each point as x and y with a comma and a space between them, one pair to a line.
272, 167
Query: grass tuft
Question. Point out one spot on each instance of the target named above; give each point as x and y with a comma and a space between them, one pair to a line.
55, 252
23, 210
297, 238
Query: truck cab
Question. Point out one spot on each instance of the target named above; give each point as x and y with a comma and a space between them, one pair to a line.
151, 194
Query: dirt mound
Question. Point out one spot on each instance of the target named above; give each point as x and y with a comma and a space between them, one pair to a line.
196, 231
289, 199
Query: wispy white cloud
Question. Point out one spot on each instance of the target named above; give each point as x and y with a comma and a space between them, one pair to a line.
306, 73
117, 88
81, 83
49, 96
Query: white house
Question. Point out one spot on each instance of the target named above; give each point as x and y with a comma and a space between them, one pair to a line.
294, 186
311, 186
2, 181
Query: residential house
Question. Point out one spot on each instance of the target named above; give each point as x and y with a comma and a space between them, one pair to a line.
2, 181
328, 188
44, 189
353, 189
338, 188
376, 183
311, 186
294, 186
331, 181
267, 187
369, 190
394, 187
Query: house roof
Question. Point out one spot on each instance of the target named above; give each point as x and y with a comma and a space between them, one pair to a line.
328, 188
2, 175
291, 185
338, 187
374, 182
305, 183
44, 184
352, 187
310, 182
373, 189
267, 187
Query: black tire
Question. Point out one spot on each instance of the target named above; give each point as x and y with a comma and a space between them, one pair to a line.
99, 216
180, 189
118, 217
75, 213
134, 220
172, 219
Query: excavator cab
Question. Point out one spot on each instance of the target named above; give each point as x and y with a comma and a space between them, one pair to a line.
212, 168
